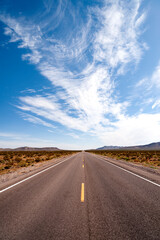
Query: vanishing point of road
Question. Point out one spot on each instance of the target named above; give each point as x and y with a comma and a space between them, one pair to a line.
83, 197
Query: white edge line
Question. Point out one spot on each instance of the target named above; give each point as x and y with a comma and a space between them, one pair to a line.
101, 158
5, 189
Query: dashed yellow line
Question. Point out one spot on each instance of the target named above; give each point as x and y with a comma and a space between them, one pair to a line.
83, 166
82, 192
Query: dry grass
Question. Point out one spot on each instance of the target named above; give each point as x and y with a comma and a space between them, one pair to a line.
11, 160
148, 158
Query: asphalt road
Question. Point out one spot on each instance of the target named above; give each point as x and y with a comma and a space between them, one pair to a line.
52, 205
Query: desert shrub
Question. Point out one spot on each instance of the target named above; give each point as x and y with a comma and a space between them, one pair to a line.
143, 160
40, 154
22, 163
8, 166
14, 159
18, 159
6, 157
2, 161
58, 154
19, 154
37, 159
2, 168
29, 161
141, 156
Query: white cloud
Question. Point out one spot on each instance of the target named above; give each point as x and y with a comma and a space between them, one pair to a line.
152, 81
73, 135
28, 91
36, 120
156, 104
50, 131
12, 135
147, 90
142, 82
50, 110
117, 41
140, 129
155, 79
86, 100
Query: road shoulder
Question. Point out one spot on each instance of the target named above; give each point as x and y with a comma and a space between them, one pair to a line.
143, 171
13, 177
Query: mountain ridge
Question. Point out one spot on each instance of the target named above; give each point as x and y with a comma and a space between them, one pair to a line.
150, 146
30, 149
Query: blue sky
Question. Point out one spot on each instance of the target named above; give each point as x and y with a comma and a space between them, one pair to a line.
79, 74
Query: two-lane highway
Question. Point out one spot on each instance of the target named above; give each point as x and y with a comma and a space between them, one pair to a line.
81, 198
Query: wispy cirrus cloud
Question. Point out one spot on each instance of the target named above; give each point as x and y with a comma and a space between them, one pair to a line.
12, 135
73, 135
148, 89
152, 81
156, 104
36, 120
83, 59
155, 79
117, 43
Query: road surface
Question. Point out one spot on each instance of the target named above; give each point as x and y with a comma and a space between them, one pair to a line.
84, 197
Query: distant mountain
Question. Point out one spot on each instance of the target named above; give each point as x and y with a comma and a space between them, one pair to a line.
151, 146
30, 149
5, 149
108, 147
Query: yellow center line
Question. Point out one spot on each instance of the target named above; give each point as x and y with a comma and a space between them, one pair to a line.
82, 192
83, 166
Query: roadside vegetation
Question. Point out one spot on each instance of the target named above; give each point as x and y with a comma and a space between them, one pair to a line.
11, 160
146, 157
